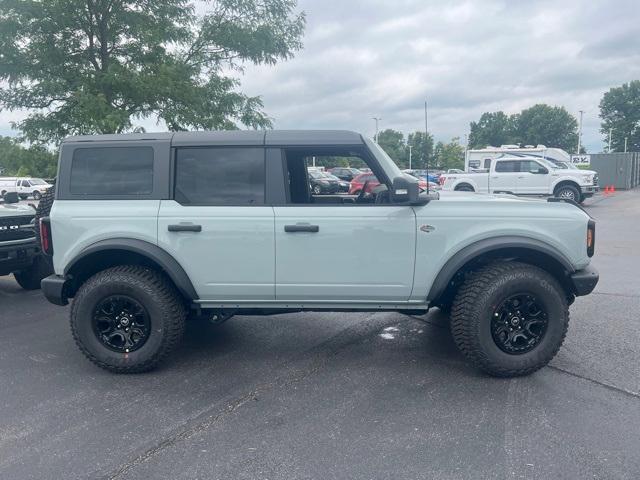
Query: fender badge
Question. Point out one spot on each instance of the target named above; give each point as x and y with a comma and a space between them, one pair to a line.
427, 228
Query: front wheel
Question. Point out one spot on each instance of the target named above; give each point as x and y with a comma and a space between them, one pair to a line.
126, 319
317, 190
37, 195
510, 318
30, 278
569, 192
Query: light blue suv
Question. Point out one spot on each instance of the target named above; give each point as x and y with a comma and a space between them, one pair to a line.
149, 229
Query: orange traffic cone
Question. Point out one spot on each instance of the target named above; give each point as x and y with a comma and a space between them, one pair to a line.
606, 190
612, 189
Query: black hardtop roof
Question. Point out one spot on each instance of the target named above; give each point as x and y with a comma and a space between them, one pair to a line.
233, 137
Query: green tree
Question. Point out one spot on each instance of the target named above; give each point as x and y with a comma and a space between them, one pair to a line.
34, 161
449, 155
540, 124
392, 142
547, 125
97, 66
493, 129
620, 111
420, 145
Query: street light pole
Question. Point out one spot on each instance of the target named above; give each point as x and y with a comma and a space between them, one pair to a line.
625, 144
377, 119
580, 133
610, 130
409, 157
426, 143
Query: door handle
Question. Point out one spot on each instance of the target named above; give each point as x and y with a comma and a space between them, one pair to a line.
520, 177
301, 227
185, 227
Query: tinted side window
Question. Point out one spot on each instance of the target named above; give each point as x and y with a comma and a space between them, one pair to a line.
507, 166
220, 176
112, 171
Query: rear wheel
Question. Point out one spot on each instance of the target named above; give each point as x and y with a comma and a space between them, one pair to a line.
126, 319
510, 318
464, 188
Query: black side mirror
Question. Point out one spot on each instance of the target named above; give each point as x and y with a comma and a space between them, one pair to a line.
11, 197
404, 190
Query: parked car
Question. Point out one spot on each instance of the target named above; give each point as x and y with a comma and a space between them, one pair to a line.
345, 173
25, 187
230, 227
526, 176
430, 175
368, 181
321, 183
343, 185
19, 250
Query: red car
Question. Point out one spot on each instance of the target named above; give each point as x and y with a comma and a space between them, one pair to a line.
358, 182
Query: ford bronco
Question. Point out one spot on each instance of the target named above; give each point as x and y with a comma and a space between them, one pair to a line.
148, 229
19, 249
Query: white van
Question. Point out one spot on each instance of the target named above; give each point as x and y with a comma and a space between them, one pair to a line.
25, 187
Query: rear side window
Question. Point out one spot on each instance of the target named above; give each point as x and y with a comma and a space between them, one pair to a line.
507, 166
220, 176
112, 171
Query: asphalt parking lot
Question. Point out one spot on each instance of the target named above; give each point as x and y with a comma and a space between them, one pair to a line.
326, 396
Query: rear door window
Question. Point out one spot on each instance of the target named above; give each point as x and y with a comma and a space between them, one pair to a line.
220, 176
507, 166
112, 171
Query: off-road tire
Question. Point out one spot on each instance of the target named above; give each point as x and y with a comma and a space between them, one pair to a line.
577, 196
155, 292
30, 278
474, 305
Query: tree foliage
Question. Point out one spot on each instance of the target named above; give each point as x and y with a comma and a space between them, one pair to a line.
539, 124
17, 160
97, 66
393, 142
493, 129
449, 155
620, 111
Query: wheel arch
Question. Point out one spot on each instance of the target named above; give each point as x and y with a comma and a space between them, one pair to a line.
563, 182
466, 182
523, 249
125, 251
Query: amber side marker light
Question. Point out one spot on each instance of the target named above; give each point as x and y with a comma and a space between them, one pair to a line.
591, 237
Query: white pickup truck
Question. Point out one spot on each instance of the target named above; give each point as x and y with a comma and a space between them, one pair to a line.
525, 176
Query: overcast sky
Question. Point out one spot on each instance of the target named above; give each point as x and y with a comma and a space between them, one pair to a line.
366, 58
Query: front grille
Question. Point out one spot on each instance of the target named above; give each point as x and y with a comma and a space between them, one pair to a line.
595, 179
16, 228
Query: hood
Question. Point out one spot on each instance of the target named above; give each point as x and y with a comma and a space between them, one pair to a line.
453, 196
15, 209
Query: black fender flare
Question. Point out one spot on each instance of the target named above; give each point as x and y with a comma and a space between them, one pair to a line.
473, 251
149, 250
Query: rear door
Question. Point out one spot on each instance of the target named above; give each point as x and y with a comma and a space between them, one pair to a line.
218, 226
504, 176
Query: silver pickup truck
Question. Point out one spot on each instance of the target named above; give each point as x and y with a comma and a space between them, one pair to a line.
521, 175
149, 229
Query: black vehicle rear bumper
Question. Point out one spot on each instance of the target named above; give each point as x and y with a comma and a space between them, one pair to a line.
54, 288
18, 256
584, 281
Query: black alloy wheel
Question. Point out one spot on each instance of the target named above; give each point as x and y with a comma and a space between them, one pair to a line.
518, 324
121, 323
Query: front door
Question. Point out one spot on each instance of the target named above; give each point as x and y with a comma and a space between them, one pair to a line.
217, 226
344, 252
533, 178
341, 248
